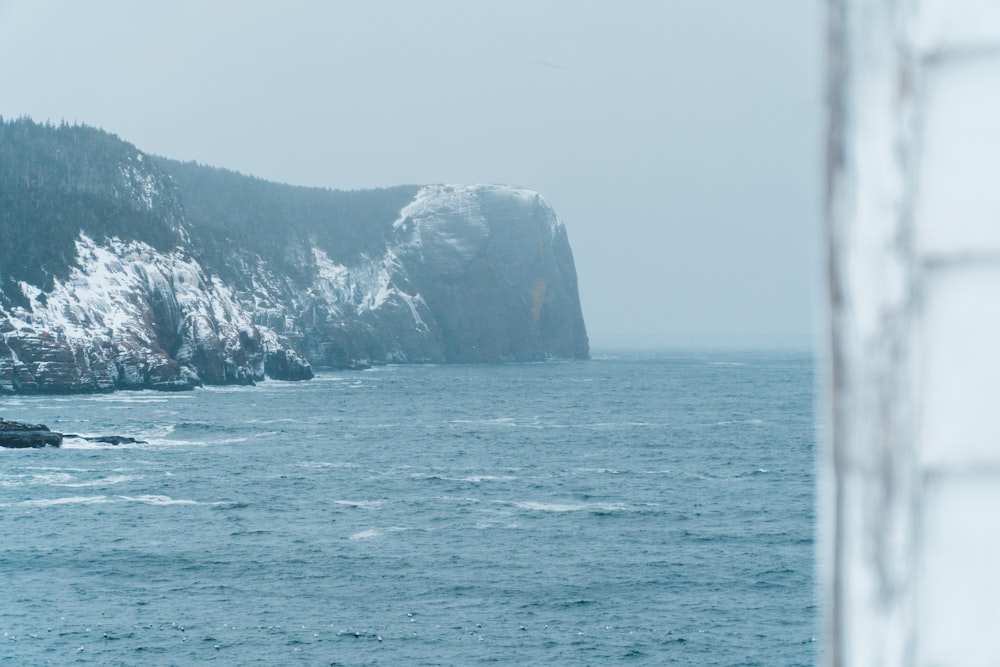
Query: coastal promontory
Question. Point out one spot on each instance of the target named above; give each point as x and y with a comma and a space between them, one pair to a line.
124, 270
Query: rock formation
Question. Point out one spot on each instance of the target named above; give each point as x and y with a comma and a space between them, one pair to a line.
19, 435
120, 270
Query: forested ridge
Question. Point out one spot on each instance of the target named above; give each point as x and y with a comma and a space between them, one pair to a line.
59, 180
276, 221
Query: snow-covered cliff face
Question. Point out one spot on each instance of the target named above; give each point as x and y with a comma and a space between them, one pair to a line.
250, 287
130, 316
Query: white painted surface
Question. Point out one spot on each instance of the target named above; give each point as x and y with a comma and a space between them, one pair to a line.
960, 412
910, 484
950, 24
959, 185
959, 603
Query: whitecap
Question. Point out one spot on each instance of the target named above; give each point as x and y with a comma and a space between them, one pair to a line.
54, 478
364, 504
498, 421
132, 398
458, 499
549, 507
476, 479
165, 442
559, 507
158, 500
114, 479
78, 443
365, 535
71, 500
326, 464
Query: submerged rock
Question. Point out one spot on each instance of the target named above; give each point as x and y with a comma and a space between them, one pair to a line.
107, 439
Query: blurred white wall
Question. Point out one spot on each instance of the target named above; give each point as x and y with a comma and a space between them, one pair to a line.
910, 475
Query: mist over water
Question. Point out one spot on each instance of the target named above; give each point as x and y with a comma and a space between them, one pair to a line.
636, 508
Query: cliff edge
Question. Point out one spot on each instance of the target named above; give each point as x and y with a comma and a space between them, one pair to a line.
123, 270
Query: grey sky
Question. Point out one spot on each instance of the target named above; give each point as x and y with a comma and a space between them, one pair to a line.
678, 139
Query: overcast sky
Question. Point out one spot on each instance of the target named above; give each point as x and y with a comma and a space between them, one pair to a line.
679, 140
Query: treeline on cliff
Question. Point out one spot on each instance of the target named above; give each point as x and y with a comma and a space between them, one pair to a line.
59, 180
226, 209
54, 184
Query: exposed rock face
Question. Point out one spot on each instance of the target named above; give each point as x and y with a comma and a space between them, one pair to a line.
494, 266
189, 275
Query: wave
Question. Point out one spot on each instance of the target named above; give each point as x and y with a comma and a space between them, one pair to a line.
362, 504
160, 500
466, 500
71, 500
476, 479
326, 464
63, 479
50, 478
749, 422
104, 481
138, 397
503, 421
92, 500
76, 443
372, 532
468, 479
576, 507
55, 476
752, 473
199, 426
157, 442
173, 442
365, 535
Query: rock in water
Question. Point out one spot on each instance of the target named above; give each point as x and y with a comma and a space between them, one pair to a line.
18, 434
156, 274
106, 439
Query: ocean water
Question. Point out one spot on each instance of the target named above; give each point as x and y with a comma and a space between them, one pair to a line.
632, 509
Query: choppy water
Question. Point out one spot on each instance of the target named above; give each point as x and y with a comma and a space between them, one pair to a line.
633, 509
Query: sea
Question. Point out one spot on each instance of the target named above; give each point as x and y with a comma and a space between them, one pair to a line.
638, 508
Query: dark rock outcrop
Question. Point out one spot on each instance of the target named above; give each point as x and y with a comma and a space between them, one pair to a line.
287, 365
21, 435
121, 270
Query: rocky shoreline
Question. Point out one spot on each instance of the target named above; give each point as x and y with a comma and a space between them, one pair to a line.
21, 435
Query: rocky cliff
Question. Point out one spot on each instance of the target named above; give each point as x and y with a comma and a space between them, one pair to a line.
123, 270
